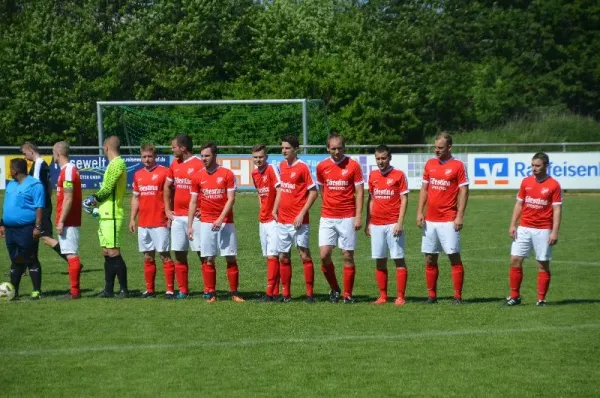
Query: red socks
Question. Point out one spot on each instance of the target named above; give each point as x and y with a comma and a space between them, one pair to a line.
401, 277
309, 276
149, 275
515, 277
431, 276
209, 275
74, 274
233, 276
543, 283
381, 275
169, 269
272, 276
458, 275
181, 274
285, 272
349, 273
329, 272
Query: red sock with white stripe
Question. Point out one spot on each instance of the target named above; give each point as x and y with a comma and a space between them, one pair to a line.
381, 275
169, 269
285, 272
149, 275
431, 276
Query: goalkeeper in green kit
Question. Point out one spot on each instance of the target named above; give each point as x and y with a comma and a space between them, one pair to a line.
109, 200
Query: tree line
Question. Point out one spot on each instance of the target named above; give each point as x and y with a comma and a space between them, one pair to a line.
393, 71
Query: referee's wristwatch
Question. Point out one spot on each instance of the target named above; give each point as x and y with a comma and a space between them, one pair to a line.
38, 227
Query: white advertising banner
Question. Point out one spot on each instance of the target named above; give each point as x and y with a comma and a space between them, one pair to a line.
2, 173
574, 170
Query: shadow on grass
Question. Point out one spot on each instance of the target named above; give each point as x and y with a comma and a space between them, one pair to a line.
574, 301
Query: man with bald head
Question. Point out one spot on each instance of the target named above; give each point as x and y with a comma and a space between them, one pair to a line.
68, 214
109, 200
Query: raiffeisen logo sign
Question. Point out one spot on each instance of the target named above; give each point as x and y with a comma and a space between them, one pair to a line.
491, 171
574, 170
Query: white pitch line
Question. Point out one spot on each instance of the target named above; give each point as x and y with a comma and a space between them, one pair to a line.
313, 340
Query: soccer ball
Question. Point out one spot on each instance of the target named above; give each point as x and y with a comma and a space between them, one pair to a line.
7, 291
96, 212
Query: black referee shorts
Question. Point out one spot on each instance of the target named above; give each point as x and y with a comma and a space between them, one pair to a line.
21, 246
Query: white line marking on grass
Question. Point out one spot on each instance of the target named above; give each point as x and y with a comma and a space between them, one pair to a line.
313, 340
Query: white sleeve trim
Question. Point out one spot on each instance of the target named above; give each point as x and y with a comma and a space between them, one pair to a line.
136, 193
231, 189
361, 182
311, 186
69, 172
405, 192
424, 182
37, 167
557, 204
463, 184
194, 193
169, 179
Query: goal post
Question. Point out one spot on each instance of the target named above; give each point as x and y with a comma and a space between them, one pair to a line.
134, 108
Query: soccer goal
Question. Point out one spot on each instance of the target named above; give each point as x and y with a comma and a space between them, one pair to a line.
233, 124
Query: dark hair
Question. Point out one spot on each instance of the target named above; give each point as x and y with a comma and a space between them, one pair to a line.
336, 135
148, 148
185, 141
383, 148
543, 157
19, 165
31, 146
445, 136
292, 140
259, 147
210, 145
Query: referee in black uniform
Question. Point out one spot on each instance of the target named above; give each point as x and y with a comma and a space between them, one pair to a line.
41, 171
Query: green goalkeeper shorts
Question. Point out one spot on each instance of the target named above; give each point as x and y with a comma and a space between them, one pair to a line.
109, 233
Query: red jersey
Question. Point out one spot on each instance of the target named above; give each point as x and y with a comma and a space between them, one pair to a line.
69, 178
148, 186
339, 181
386, 191
266, 181
538, 199
443, 180
211, 189
296, 181
182, 174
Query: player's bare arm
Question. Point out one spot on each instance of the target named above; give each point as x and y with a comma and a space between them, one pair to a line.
399, 227
556, 219
359, 200
66, 208
368, 220
191, 215
422, 203
168, 198
512, 229
226, 210
135, 207
461, 204
276, 204
312, 196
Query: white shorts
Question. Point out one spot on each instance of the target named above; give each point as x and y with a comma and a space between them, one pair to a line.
337, 232
288, 235
438, 236
528, 238
383, 239
268, 238
179, 236
69, 240
224, 239
155, 238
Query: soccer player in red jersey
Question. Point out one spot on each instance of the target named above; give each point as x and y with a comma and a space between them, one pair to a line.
295, 198
68, 214
444, 191
267, 182
177, 200
539, 207
386, 207
148, 203
213, 189
342, 189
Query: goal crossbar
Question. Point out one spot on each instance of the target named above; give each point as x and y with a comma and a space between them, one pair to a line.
302, 101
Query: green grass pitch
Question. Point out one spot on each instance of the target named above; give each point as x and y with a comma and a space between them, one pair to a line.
134, 347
